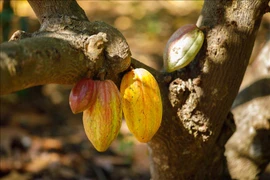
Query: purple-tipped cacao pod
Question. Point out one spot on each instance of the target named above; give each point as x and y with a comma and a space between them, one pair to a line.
182, 47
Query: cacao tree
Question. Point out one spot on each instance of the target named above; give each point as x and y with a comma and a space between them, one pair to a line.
190, 142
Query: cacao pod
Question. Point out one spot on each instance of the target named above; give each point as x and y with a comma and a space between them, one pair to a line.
142, 104
102, 121
82, 95
182, 47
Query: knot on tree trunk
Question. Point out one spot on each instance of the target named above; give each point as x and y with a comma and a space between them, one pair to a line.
185, 97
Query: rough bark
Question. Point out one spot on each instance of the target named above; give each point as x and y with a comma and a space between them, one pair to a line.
196, 100
36, 61
56, 8
190, 142
97, 47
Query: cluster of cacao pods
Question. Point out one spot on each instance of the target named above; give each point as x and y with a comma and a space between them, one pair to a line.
102, 105
182, 47
139, 97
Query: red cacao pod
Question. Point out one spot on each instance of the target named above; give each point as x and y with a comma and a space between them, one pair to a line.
83, 95
102, 121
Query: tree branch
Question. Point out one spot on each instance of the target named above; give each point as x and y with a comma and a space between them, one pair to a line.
94, 47
41, 60
54, 8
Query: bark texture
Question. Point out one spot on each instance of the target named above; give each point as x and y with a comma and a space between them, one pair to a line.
190, 142
87, 49
247, 151
57, 8
36, 61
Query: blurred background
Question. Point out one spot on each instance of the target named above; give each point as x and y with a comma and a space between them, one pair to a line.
42, 139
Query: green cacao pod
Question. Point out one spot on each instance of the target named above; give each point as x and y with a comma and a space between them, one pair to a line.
182, 47
142, 104
102, 121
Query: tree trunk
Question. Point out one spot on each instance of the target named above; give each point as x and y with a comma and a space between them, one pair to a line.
196, 121
196, 100
251, 109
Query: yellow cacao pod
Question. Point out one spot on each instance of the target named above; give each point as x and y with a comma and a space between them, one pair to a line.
102, 121
142, 104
